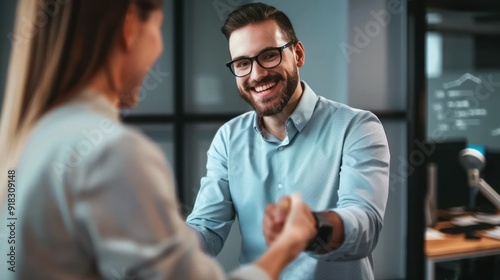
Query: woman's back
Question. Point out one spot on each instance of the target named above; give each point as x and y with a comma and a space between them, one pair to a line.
81, 183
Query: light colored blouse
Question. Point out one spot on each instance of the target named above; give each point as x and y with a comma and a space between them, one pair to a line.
96, 200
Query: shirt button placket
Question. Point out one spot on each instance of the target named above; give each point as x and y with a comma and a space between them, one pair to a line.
280, 186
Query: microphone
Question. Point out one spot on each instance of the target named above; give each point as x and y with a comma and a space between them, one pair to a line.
473, 160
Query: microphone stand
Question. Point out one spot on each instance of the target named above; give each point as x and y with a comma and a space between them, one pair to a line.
474, 161
488, 192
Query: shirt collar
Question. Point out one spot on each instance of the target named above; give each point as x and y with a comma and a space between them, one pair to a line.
305, 109
302, 113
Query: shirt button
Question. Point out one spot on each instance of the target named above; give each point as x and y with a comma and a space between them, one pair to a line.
280, 148
280, 186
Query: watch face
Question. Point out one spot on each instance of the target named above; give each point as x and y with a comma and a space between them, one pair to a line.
320, 243
324, 233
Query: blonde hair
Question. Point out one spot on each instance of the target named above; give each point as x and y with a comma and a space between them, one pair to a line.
57, 48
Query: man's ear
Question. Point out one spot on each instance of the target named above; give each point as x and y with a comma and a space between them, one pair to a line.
300, 54
130, 30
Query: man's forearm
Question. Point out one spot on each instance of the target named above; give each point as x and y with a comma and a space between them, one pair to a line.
336, 239
338, 228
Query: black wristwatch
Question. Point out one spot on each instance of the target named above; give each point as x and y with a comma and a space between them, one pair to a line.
322, 238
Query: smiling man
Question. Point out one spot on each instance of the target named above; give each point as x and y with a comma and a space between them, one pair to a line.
335, 156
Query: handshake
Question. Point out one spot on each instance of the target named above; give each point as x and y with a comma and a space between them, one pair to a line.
289, 228
291, 221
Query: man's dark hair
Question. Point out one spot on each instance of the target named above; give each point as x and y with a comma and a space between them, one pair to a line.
256, 13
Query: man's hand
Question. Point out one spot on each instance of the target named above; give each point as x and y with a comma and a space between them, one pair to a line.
275, 218
289, 226
289, 217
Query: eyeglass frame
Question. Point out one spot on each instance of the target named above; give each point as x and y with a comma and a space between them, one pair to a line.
254, 58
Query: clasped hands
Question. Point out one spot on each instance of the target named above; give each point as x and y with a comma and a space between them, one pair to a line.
289, 221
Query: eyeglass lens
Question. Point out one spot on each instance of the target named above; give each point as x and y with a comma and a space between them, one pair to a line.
267, 59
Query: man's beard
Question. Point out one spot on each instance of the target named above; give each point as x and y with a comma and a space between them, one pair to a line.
266, 106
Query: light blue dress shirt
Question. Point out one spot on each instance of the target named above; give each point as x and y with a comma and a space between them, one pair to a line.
335, 156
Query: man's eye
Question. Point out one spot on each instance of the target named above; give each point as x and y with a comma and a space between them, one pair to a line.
270, 56
242, 64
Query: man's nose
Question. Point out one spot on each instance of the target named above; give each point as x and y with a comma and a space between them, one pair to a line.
258, 72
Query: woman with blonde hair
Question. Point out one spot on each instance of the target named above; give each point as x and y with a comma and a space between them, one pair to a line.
86, 196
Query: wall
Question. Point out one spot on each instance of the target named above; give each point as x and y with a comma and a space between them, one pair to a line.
7, 11
377, 82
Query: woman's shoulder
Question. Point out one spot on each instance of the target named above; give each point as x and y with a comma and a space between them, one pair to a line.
74, 134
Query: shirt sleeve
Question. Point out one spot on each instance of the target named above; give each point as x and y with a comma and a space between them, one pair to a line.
213, 213
363, 189
128, 219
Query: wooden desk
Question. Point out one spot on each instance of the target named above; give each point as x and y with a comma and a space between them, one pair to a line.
456, 247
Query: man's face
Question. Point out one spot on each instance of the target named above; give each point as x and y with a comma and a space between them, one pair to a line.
268, 91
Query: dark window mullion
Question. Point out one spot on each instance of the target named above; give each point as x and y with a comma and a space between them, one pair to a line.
178, 96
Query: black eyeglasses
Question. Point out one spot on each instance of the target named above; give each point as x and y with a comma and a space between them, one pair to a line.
267, 58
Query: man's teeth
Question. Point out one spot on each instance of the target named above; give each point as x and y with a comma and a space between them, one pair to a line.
264, 87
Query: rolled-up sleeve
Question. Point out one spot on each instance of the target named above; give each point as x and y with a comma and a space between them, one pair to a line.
213, 213
363, 188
